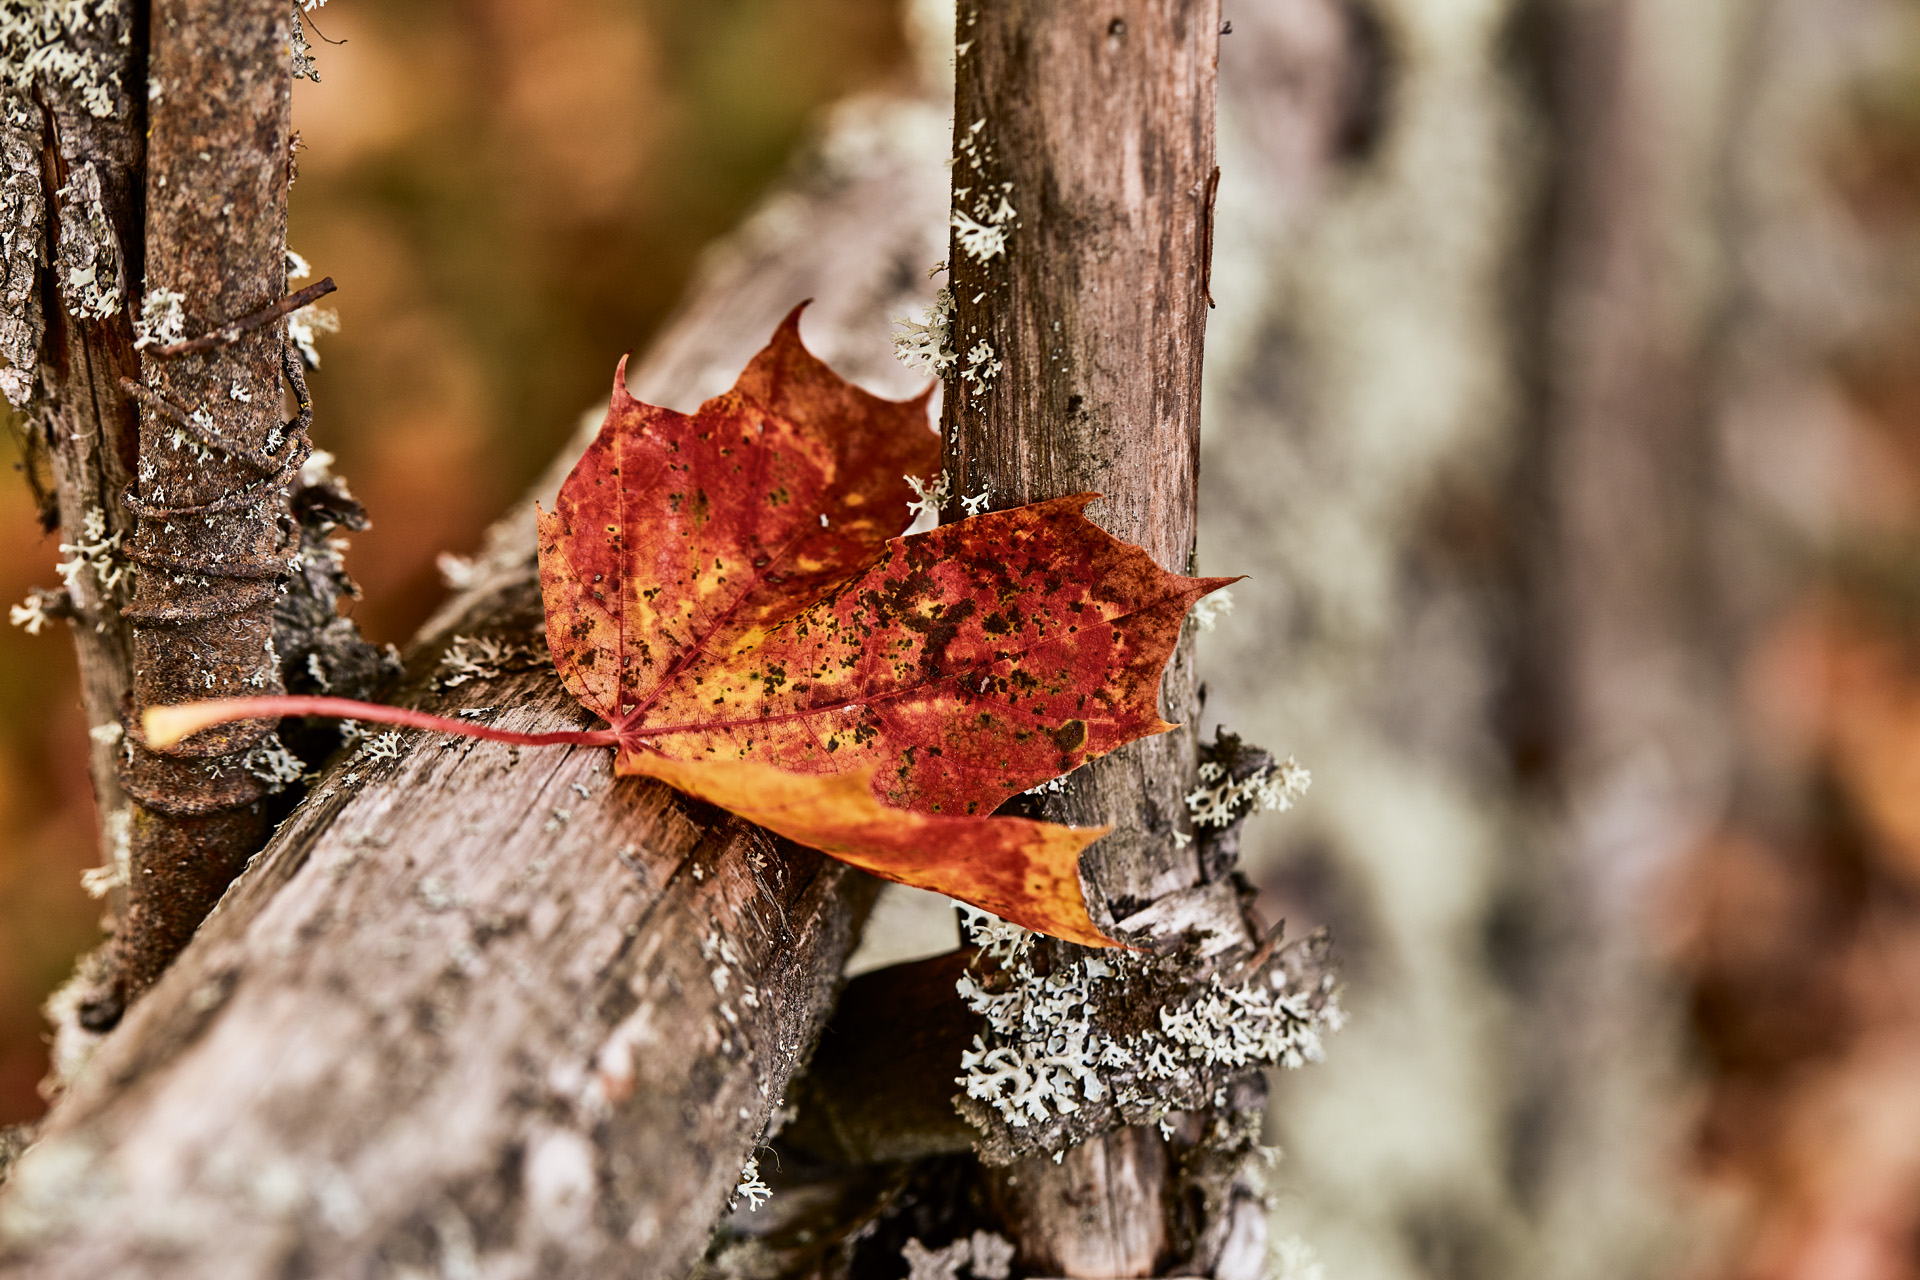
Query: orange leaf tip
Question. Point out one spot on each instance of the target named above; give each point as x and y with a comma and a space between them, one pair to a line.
1023, 871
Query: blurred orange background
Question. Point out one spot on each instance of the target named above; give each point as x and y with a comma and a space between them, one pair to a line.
510, 194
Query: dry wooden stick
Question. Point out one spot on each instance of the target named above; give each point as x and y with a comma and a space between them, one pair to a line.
216, 200
91, 169
1082, 184
228, 334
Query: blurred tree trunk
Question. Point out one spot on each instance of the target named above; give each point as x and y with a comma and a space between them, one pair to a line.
1461, 415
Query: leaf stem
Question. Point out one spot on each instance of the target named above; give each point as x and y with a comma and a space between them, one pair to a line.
165, 726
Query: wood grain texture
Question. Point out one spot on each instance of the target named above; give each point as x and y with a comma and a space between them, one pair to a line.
482, 1010
1083, 180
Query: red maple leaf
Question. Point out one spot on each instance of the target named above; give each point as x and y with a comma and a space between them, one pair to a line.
728, 590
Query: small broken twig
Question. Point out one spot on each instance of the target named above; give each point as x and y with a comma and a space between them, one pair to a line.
231, 332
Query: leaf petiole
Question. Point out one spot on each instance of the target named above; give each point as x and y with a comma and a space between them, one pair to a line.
165, 726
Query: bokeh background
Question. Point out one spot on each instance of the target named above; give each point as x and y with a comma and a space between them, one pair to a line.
1564, 407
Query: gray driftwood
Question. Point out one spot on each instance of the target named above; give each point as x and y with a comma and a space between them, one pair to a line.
478, 1010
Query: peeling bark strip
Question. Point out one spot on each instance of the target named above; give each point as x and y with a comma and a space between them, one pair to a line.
1083, 158
213, 532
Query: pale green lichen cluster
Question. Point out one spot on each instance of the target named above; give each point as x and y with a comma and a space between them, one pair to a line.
926, 344
1271, 788
40, 40
1045, 1054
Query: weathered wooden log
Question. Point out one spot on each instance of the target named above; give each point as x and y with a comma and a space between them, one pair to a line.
481, 1010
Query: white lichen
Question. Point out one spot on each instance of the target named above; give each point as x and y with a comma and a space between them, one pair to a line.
981, 241
298, 268
386, 746
982, 364
926, 344
89, 261
1208, 610
22, 248
117, 826
32, 614
976, 503
66, 42
1002, 941
457, 573
302, 52
992, 1255
935, 1264
274, 765
308, 323
983, 213
162, 319
751, 1188
1291, 1258
927, 498
97, 552
471, 658
1043, 1053
1270, 789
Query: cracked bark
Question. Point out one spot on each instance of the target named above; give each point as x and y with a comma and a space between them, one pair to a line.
79, 211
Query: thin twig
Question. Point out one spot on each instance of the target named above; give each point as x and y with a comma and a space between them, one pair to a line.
231, 332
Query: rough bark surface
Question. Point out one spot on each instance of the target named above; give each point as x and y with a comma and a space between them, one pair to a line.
94, 168
213, 538
479, 1009
1083, 183
1094, 124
